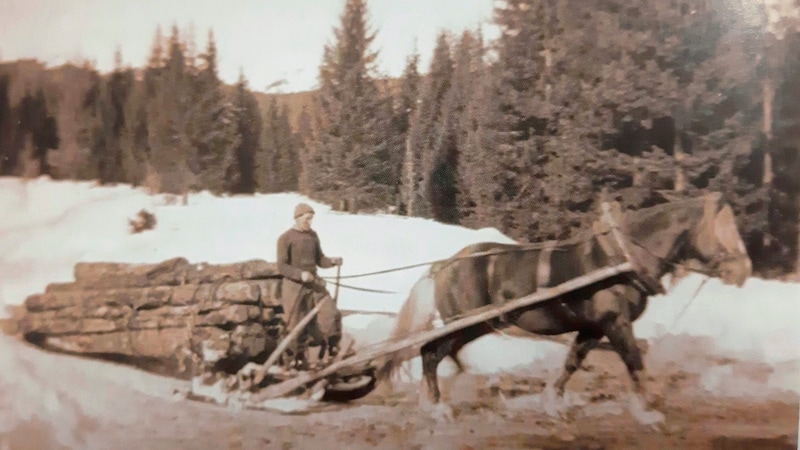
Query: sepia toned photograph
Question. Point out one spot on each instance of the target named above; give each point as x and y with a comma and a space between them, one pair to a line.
400, 224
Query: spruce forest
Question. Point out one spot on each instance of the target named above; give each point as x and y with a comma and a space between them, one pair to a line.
636, 100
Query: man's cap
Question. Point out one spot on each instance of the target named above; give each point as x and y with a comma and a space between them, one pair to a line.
302, 208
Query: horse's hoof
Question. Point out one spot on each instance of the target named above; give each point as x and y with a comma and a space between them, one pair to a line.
442, 412
654, 420
651, 418
553, 403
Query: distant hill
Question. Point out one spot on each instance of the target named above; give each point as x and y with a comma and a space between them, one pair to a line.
295, 101
69, 81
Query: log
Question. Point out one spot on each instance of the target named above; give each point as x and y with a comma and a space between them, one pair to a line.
477, 316
101, 275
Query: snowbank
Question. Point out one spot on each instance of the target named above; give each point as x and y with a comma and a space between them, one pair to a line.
54, 225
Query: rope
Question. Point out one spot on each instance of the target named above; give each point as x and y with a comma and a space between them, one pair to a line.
356, 288
522, 248
686, 306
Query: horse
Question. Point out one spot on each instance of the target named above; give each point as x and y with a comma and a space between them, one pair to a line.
656, 239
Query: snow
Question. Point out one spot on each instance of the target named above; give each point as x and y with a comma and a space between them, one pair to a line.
48, 226
758, 321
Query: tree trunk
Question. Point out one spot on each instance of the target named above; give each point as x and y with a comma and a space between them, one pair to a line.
766, 179
637, 173
409, 190
680, 180
769, 96
797, 243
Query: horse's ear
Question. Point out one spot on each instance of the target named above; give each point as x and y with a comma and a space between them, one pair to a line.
617, 212
705, 234
604, 196
716, 199
713, 202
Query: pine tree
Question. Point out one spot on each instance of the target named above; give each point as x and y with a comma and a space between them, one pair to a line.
8, 128
133, 140
280, 159
463, 104
477, 148
408, 99
155, 64
306, 137
447, 186
171, 163
37, 133
518, 118
248, 122
427, 135
112, 162
212, 122
348, 157
784, 195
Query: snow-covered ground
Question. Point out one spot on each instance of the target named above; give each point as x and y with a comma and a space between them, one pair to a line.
46, 227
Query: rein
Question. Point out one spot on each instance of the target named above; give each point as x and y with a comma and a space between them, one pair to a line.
356, 288
708, 275
663, 260
523, 248
686, 306
450, 260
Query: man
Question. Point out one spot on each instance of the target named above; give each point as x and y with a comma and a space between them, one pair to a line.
299, 255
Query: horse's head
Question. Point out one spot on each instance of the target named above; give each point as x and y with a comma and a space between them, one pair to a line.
702, 229
717, 242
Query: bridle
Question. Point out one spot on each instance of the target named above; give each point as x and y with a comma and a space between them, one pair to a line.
713, 263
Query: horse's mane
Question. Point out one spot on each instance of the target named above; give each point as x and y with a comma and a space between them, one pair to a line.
635, 218
669, 206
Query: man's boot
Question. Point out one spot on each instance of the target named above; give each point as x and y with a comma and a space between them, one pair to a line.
288, 360
333, 346
300, 359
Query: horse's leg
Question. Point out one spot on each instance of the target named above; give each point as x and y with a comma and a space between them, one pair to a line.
620, 334
463, 338
584, 342
432, 355
430, 398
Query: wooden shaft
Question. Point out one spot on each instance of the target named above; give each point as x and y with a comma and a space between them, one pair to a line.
336, 289
262, 371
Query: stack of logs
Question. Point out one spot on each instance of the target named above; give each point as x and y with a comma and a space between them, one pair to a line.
173, 318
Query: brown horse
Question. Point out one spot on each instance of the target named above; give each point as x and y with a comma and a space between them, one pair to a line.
657, 238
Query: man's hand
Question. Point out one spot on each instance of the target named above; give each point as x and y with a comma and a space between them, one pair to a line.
337, 261
306, 276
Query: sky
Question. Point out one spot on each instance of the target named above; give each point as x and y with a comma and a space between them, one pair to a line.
268, 40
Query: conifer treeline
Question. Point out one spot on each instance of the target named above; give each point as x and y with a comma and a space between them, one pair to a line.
640, 99
172, 125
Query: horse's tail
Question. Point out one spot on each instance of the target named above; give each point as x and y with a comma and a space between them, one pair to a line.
417, 314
